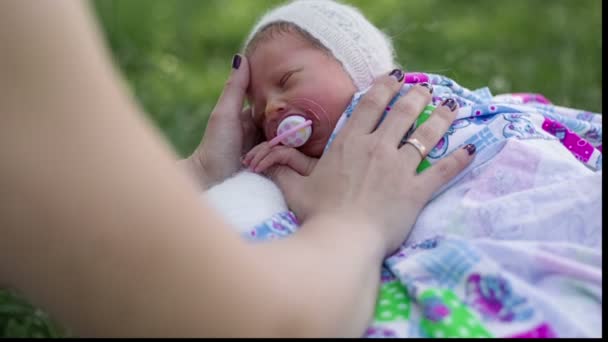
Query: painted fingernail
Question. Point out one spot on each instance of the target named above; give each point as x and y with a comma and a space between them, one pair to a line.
450, 103
470, 148
427, 85
398, 74
236, 61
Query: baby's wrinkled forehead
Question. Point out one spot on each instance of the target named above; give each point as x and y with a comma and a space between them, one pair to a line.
277, 29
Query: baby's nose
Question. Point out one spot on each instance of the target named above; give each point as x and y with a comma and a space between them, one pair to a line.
274, 108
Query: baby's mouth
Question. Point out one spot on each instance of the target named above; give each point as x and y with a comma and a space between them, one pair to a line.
309, 110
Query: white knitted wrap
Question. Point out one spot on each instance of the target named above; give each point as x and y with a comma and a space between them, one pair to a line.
364, 51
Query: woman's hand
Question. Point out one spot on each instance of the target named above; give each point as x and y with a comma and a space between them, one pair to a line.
366, 176
230, 131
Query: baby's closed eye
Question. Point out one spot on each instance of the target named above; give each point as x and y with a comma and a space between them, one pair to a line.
287, 76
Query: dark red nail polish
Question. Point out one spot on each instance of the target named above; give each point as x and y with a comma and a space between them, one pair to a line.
236, 62
450, 103
398, 74
427, 85
470, 148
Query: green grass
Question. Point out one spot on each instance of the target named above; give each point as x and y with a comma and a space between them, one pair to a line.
18, 318
176, 56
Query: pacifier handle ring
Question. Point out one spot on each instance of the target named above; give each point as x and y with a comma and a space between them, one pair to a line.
277, 140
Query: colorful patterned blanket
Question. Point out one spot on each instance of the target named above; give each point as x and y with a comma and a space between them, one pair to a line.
512, 246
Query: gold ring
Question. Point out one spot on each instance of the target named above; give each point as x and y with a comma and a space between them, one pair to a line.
421, 149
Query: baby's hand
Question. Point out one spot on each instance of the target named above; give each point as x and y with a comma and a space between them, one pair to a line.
262, 157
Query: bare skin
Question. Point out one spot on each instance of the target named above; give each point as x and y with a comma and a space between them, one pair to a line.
104, 230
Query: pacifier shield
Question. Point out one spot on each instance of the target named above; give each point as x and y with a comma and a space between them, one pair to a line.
299, 137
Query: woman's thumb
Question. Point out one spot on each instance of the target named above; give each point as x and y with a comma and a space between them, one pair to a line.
233, 95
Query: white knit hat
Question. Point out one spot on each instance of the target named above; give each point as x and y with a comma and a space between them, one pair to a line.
364, 51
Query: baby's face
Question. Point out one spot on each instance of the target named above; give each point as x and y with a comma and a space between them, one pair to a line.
291, 76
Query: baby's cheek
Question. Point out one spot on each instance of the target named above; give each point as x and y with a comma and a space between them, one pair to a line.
316, 145
314, 148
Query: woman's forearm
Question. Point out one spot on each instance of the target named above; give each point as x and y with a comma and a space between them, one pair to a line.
166, 279
329, 277
195, 171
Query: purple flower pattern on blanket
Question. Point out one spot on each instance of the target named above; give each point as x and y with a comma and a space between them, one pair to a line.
494, 298
434, 309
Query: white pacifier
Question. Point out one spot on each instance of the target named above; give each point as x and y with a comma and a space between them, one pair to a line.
293, 131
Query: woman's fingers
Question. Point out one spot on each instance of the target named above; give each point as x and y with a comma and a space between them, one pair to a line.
446, 169
224, 140
252, 135
404, 112
233, 96
430, 132
371, 106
